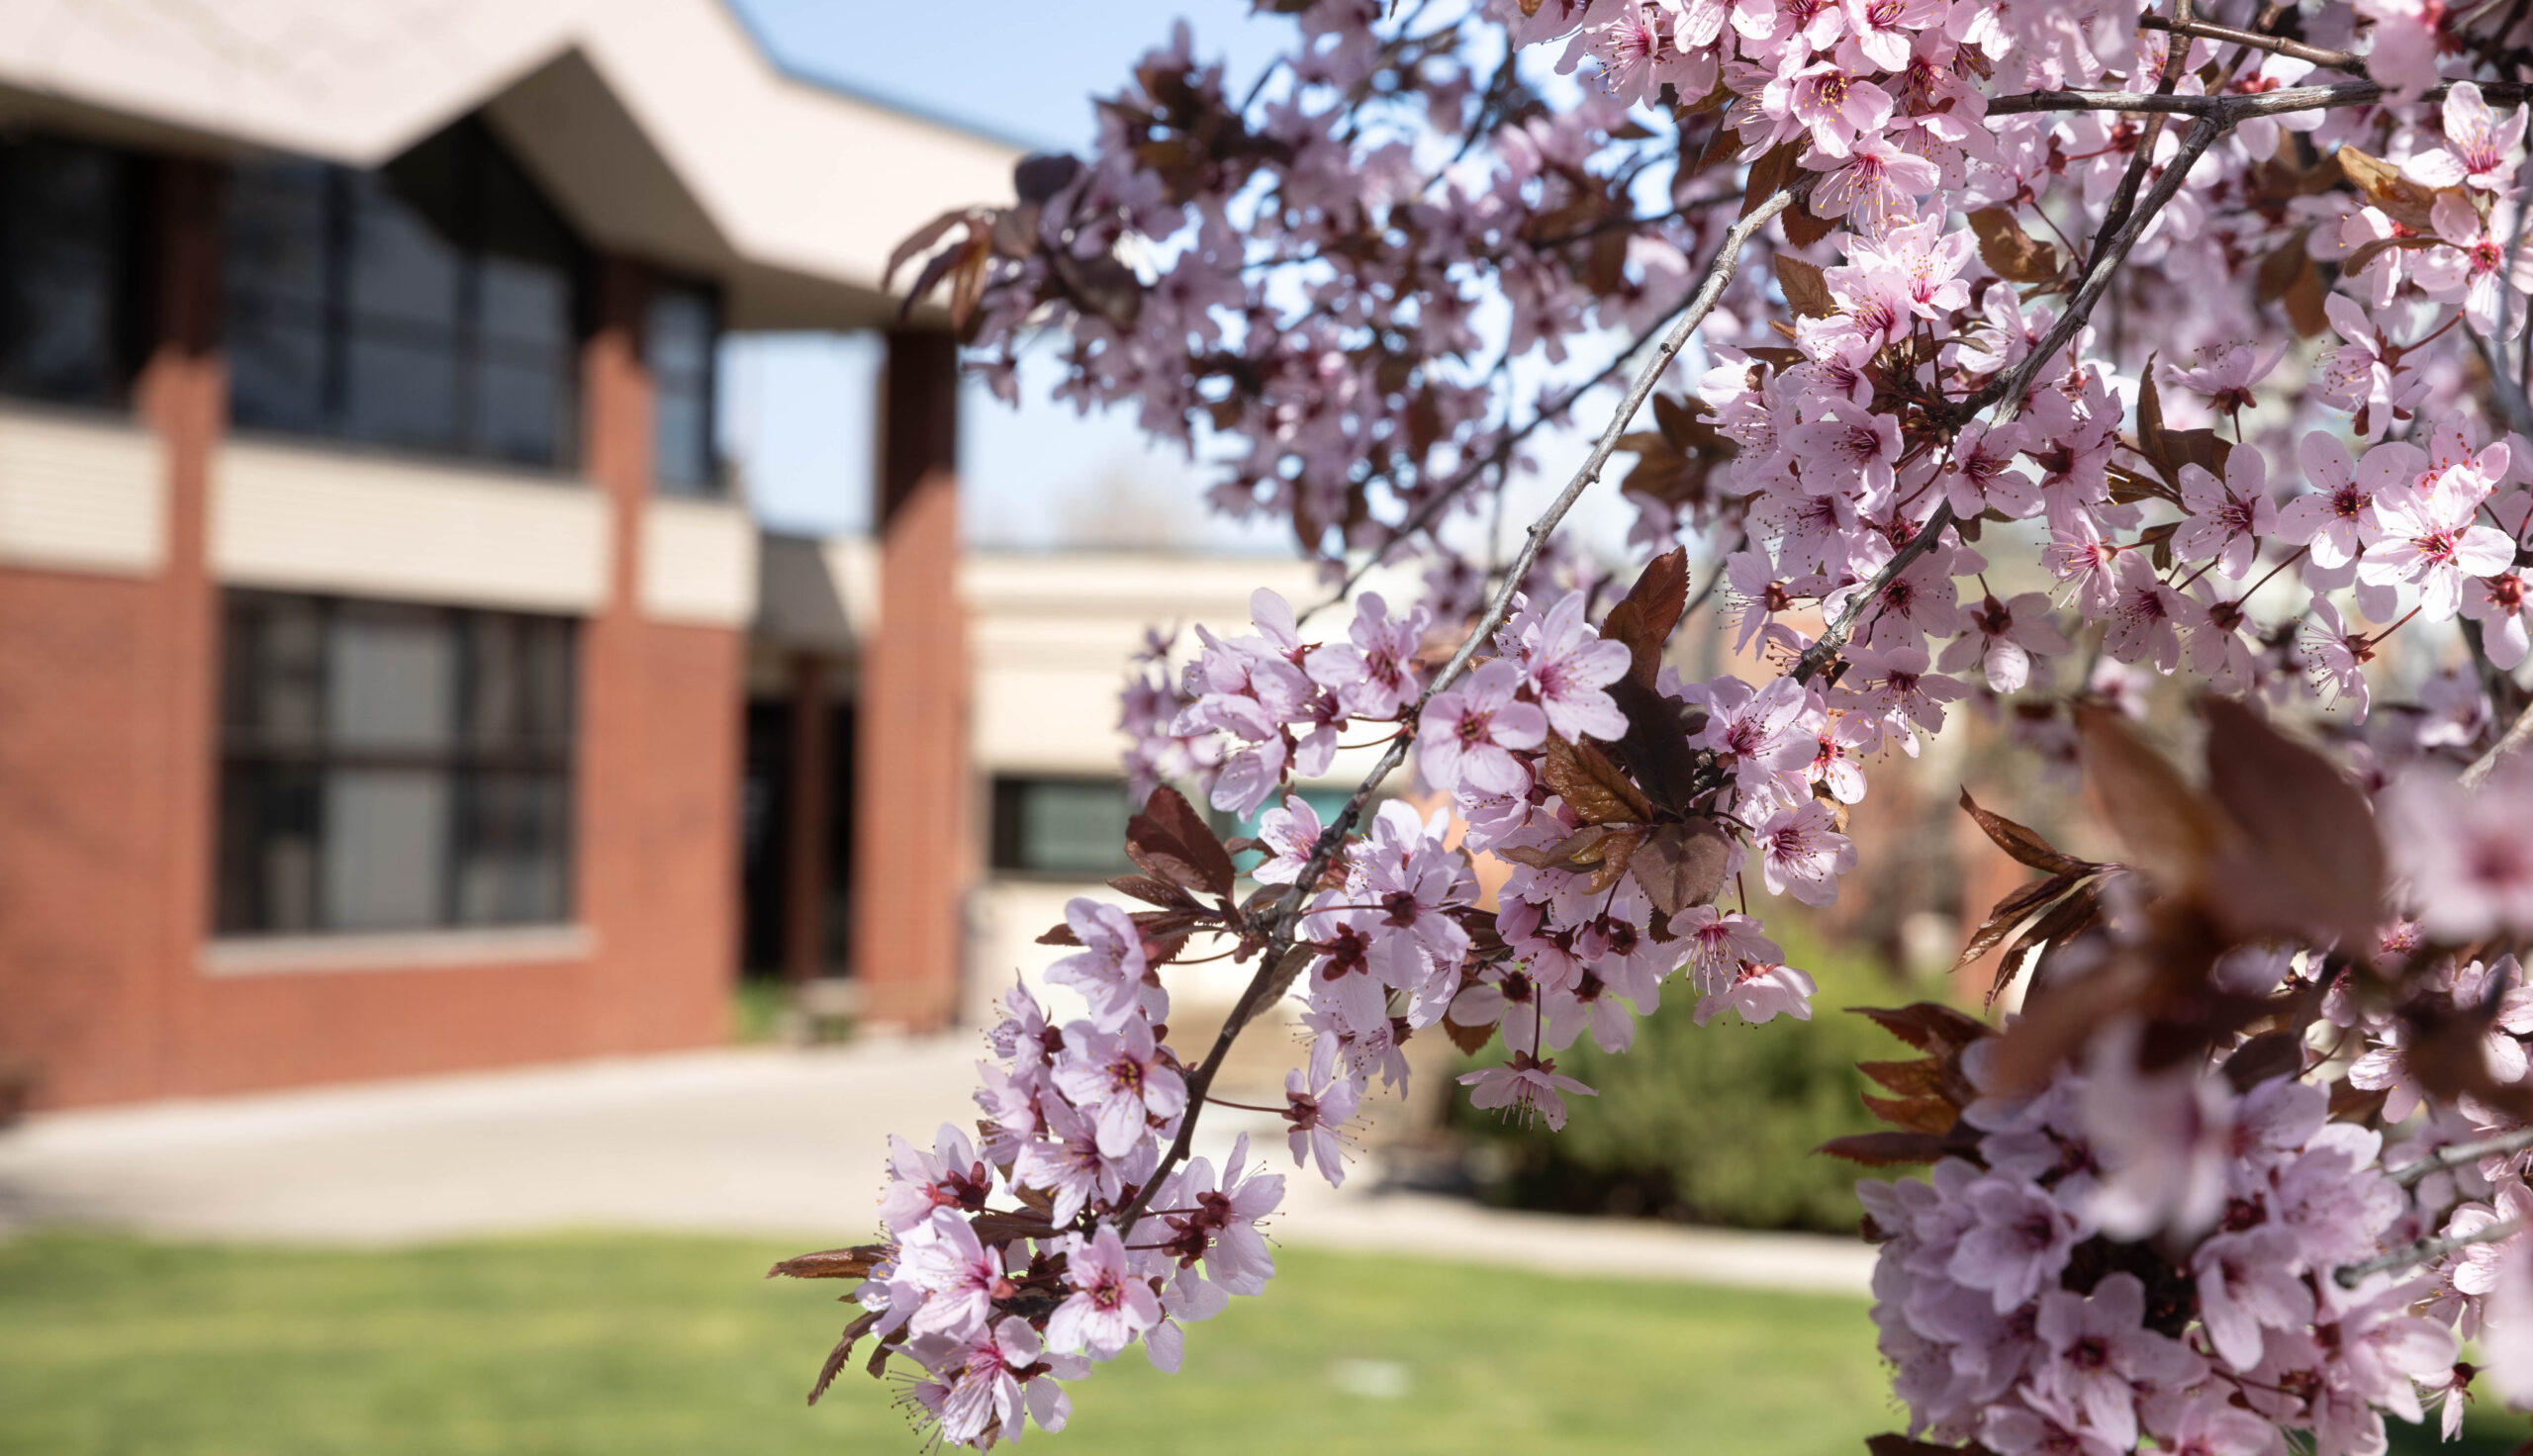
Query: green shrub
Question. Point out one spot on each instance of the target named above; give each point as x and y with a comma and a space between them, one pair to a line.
1713, 1124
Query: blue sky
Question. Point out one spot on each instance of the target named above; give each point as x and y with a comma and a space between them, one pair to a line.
796, 408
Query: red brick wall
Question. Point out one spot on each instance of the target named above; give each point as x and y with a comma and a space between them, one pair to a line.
107, 797
914, 856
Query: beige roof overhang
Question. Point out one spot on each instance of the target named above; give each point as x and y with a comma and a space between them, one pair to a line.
660, 126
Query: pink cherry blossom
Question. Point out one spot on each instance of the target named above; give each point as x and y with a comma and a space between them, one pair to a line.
1111, 1303
1467, 736
1568, 668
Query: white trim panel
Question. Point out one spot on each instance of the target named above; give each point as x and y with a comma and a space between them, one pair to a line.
428, 949
316, 520
82, 495
699, 563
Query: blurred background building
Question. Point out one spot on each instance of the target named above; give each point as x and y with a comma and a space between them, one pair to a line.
391, 678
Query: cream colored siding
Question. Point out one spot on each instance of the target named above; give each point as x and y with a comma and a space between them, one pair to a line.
699, 563
83, 496
313, 519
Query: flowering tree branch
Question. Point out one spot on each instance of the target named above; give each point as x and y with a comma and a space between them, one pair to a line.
2455, 1156
1273, 972
2422, 1251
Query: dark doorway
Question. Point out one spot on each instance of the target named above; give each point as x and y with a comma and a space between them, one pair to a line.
766, 808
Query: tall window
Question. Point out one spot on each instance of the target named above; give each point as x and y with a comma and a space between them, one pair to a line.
678, 344
68, 275
432, 304
389, 767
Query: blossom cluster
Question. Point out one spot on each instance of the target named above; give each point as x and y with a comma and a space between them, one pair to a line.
996, 1303
2181, 1260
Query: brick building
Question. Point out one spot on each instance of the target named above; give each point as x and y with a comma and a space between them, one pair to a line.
374, 625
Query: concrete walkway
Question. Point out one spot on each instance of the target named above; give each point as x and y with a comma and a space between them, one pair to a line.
757, 1141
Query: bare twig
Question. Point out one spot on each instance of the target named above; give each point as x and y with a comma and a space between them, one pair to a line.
1280, 941
1834, 637
2011, 385
2175, 64
2338, 61
2349, 1276
2515, 737
2455, 1154
2237, 108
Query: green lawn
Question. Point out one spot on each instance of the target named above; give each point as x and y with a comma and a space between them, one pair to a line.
632, 1346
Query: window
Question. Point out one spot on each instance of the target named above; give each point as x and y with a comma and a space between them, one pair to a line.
678, 340
388, 768
1076, 828
67, 271
1071, 827
432, 304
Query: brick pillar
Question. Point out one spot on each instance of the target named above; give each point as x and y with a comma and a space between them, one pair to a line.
911, 855
656, 847
182, 393
808, 808
611, 753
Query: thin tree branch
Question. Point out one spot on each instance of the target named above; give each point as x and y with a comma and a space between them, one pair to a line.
2011, 385
2454, 1155
2515, 737
2237, 108
2175, 64
2338, 61
1834, 637
1263, 984
2349, 1276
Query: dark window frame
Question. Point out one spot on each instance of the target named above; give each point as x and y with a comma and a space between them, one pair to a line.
710, 477
125, 239
462, 339
242, 902
1006, 839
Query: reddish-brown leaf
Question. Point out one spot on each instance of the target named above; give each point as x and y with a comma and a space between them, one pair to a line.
1060, 935
1682, 864
1892, 1443
2265, 1057
1886, 1149
2167, 829
2025, 844
2010, 912
1153, 892
1933, 1115
921, 240
1644, 618
1656, 744
2308, 858
833, 1263
843, 1351
1805, 289
1928, 1026
1591, 785
2017, 255
2278, 268
2403, 201
1469, 1038
2304, 301
1769, 176
1572, 852
2051, 930
1171, 841
1802, 228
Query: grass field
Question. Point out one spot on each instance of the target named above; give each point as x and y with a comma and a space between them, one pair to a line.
647, 1347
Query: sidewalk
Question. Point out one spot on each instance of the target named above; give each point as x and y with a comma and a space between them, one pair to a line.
755, 1142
